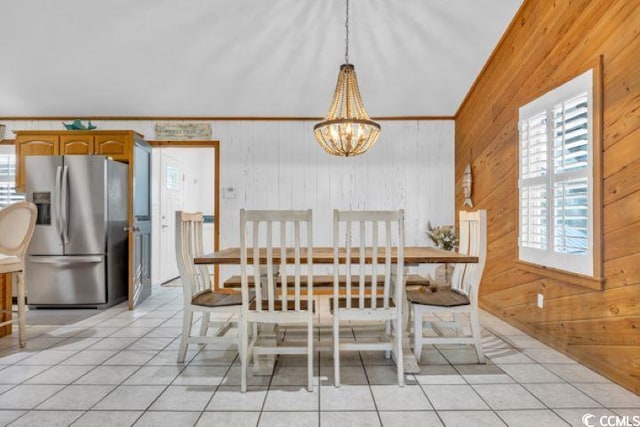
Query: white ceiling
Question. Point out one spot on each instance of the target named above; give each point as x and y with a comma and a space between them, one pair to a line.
240, 57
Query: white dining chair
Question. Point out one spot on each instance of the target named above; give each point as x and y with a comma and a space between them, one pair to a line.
461, 299
263, 234
373, 301
17, 223
199, 295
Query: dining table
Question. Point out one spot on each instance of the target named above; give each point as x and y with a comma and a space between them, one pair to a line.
413, 257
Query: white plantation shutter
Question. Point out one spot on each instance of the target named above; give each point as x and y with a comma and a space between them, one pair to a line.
534, 146
534, 158
571, 217
555, 185
533, 216
571, 134
8, 193
571, 175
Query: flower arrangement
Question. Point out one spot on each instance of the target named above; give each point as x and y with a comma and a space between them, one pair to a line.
443, 236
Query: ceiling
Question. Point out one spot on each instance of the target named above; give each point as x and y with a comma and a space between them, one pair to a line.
240, 57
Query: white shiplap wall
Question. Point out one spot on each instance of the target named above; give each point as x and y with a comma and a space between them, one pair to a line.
278, 165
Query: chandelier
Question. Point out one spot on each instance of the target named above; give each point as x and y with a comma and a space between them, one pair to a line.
347, 130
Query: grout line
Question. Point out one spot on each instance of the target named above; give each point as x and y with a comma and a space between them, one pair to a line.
175, 312
498, 415
264, 401
217, 387
555, 411
474, 389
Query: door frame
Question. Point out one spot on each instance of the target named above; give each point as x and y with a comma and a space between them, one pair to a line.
216, 187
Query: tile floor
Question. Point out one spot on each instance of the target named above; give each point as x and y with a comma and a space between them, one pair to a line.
118, 367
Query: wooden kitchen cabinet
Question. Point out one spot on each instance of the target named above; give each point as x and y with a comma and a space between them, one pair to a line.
76, 144
33, 145
116, 144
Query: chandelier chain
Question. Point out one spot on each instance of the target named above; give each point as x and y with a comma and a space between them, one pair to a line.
346, 27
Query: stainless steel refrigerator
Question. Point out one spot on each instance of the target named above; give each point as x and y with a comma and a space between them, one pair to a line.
78, 255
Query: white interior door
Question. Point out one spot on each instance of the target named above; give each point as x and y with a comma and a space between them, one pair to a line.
171, 189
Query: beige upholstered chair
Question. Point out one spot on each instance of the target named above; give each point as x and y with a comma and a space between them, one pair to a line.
374, 301
16, 228
199, 295
276, 305
462, 298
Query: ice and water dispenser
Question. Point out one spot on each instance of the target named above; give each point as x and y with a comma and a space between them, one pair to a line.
42, 200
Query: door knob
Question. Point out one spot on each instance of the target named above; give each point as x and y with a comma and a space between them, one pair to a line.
165, 226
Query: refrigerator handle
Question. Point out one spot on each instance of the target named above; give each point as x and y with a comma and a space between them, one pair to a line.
64, 194
56, 202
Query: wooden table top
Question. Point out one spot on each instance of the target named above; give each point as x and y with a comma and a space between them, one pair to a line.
324, 255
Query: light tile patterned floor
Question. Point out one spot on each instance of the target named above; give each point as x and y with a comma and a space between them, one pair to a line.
117, 368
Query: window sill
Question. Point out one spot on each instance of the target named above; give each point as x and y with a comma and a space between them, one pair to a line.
594, 283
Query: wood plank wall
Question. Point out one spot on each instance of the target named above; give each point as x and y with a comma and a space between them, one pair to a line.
551, 41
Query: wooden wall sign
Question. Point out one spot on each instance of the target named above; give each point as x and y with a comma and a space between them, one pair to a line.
182, 131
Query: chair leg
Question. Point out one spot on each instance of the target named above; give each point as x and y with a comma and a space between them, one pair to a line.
398, 350
254, 337
336, 350
310, 354
21, 311
417, 332
187, 321
387, 331
204, 326
457, 319
477, 335
410, 315
243, 350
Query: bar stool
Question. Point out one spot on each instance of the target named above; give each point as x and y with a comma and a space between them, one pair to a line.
17, 223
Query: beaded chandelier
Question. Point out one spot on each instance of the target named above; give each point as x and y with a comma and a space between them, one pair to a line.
347, 130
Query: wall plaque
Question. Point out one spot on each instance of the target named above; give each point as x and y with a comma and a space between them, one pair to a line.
178, 131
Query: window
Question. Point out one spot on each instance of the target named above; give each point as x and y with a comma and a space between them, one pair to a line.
8, 193
172, 179
556, 179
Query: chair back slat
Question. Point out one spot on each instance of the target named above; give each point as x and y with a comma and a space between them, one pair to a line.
286, 243
362, 266
399, 288
283, 265
387, 265
348, 263
336, 261
189, 244
297, 265
270, 282
256, 262
473, 241
374, 264
369, 257
202, 271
